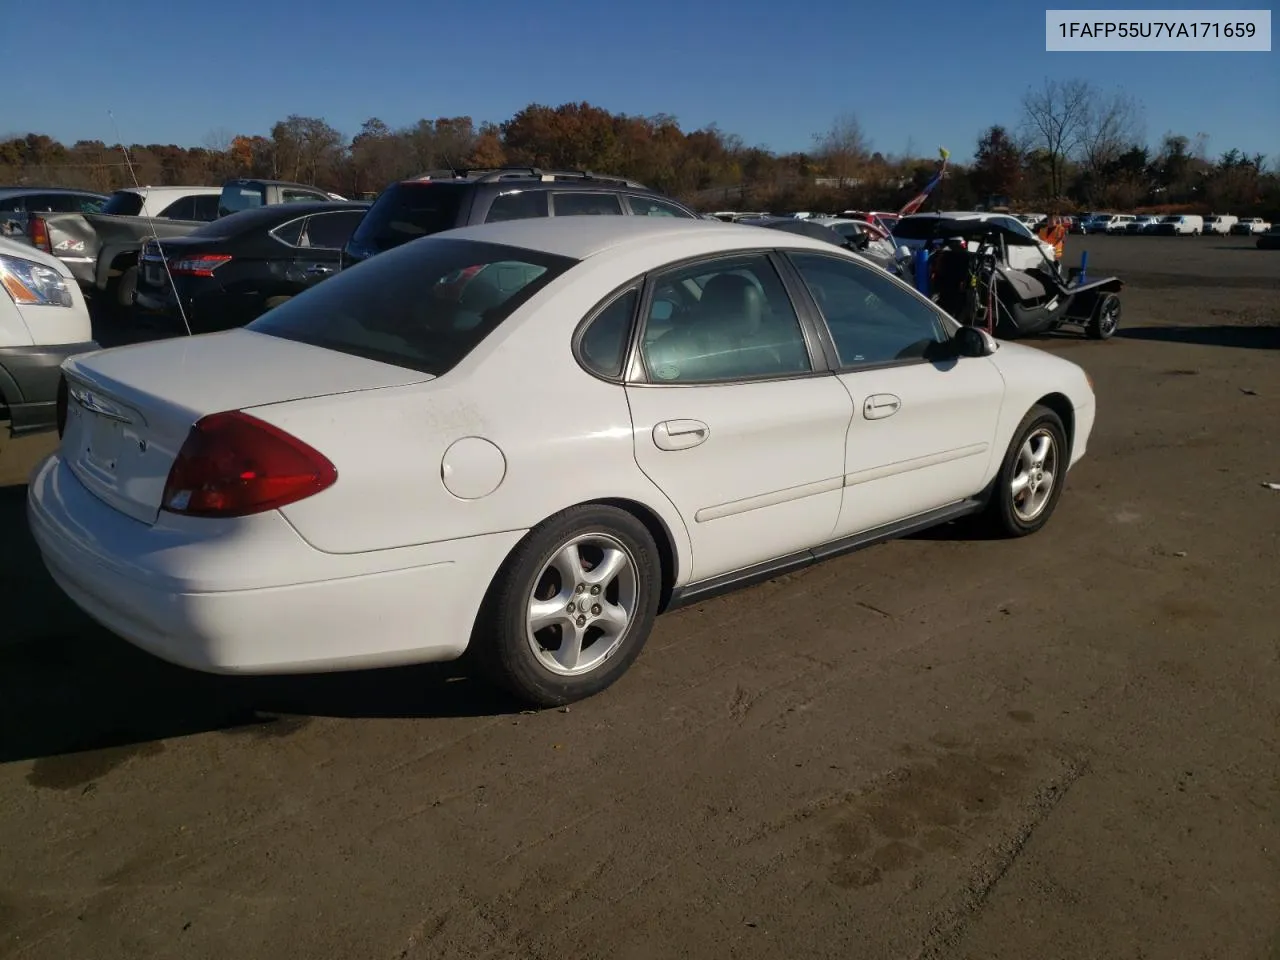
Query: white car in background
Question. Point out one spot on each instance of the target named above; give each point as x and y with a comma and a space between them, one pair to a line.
43, 321
910, 230
1250, 226
1219, 224
524, 440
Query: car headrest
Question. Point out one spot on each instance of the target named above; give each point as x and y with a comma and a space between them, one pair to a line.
730, 299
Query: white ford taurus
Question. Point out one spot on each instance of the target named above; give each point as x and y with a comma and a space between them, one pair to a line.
523, 441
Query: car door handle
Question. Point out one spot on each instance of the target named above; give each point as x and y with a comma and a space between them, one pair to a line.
881, 405
680, 434
319, 269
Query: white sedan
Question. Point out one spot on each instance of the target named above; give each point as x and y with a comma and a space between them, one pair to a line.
524, 440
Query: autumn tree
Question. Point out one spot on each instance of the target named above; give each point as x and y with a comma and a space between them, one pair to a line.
997, 166
843, 150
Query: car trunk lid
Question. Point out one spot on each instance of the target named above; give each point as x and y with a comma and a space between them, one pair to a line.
130, 409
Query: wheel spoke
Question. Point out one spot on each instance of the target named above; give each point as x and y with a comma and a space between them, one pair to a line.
1039, 449
546, 613
613, 619
1019, 485
568, 563
570, 652
1046, 482
611, 564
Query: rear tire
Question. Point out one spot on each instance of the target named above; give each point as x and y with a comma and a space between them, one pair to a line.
126, 286
571, 608
1030, 481
1105, 320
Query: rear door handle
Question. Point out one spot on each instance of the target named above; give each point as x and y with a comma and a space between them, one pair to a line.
881, 405
680, 434
319, 269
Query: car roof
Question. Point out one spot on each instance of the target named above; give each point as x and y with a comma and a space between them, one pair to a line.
169, 189
284, 212
14, 191
583, 237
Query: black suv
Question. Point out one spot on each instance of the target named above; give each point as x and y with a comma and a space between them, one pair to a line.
443, 200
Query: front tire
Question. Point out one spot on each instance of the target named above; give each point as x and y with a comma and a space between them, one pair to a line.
571, 608
1031, 478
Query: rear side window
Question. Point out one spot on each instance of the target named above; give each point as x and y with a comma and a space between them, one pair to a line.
330, 231
653, 207
300, 196
123, 203
584, 204
408, 211
517, 205
90, 204
603, 346
424, 307
183, 209
240, 196
206, 207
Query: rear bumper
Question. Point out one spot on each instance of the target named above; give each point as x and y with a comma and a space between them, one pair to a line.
29, 383
249, 596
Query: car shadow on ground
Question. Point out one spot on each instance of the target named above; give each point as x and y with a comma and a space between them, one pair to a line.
1265, 337
68, 685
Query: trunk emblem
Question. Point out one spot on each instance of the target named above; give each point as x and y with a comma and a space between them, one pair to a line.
102, 408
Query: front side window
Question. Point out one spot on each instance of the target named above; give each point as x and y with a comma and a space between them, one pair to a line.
872, 319
734, 321
424, 306
583, 204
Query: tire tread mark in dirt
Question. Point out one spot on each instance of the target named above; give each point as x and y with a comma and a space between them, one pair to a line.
945, 935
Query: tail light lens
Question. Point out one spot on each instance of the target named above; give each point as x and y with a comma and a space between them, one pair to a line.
38, 234
201, 265
60, 406
233, 465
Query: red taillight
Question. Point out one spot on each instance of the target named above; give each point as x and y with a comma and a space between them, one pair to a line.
60, 407
38, 234
233, 465
201, 265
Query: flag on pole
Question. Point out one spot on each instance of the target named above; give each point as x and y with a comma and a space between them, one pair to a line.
916, 202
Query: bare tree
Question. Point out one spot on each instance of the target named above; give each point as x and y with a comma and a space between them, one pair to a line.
219, 139
844, 149
1055, 117
1112, 125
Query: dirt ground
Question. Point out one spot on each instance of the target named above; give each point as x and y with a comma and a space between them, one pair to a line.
1063, 747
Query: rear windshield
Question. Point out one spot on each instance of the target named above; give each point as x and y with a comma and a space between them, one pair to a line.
423, 307
408, 211
241, 196
911, 228
123, 203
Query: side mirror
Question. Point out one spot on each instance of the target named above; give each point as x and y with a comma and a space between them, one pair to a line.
972, 342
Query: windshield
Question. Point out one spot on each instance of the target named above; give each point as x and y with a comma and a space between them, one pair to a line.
408, 211
241, 196
123, 203
423, 307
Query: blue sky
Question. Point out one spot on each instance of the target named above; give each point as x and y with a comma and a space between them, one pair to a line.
922, 74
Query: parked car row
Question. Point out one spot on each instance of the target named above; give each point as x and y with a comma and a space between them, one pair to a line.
1178, 224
